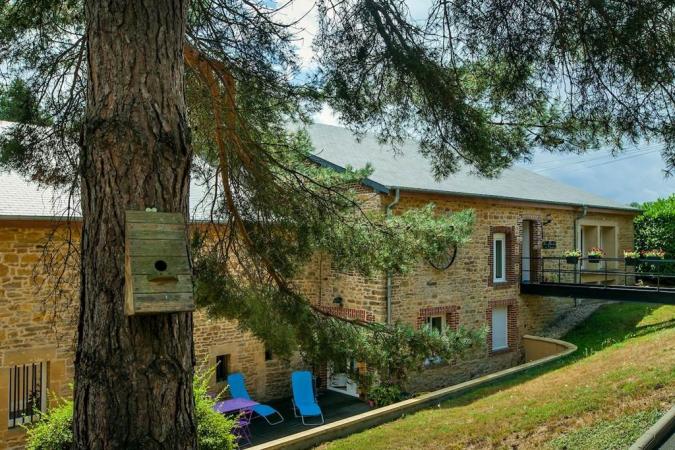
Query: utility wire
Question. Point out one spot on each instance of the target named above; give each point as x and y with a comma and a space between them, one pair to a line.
644, 151
623, 159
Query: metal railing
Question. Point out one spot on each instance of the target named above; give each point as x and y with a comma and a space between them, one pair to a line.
26, 393
653, 273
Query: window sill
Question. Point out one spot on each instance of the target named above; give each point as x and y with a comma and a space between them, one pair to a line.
502, 284
500, 351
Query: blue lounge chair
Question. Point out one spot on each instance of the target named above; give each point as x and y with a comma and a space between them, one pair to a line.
304, 401
237, 387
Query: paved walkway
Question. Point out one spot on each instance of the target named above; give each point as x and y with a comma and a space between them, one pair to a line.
335, 406
669, 444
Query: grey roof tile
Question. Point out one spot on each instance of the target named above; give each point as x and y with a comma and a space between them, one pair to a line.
337, 147
408, 170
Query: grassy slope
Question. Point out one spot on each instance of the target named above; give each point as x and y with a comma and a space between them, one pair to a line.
603, 396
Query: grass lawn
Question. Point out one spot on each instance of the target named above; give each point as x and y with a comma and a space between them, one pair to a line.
604, 396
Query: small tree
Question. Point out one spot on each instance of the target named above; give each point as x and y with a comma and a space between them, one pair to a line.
19, 104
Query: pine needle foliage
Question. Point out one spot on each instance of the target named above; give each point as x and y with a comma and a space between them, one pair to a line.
478, 83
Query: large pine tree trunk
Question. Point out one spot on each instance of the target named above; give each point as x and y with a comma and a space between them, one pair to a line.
133, 380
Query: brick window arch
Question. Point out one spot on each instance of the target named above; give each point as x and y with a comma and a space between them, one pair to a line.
510, 277
450, 313
511, 306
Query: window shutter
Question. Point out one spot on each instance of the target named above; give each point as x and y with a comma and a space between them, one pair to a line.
500, 328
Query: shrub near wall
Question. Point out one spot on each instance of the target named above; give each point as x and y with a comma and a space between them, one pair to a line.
655, 228
214, 430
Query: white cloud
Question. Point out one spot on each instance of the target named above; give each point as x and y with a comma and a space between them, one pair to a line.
326, 116
304, 15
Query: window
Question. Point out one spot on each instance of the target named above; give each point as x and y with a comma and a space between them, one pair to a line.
27, 392
499, 258
499, 328
599, 234
222, 368
436, 323
268, 354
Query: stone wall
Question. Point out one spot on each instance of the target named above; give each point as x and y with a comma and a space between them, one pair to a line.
36, 327
467, 283
39, 325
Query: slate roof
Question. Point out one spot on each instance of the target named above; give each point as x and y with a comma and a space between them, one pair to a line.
410, 171
336, 147
23, 199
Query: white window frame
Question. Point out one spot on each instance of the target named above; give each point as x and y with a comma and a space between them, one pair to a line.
428, 320
501, 237
598, 225
433, 360
504, 334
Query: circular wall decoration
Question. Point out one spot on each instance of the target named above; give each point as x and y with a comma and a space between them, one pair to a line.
445, 260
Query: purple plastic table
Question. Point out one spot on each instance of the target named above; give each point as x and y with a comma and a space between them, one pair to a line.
242, 406
234, 405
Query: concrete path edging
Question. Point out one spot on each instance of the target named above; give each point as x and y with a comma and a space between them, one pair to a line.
369, 419
658, 433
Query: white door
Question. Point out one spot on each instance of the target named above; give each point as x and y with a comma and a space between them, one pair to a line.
341, 382
527, 251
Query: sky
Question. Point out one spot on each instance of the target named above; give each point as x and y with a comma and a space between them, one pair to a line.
636, 175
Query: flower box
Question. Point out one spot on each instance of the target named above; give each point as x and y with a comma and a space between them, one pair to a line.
631, 257
595, 255
654, 255
572, 259
572, 256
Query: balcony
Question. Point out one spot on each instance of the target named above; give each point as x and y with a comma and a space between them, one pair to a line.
651, 281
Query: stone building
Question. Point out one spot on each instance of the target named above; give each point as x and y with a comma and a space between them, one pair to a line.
520, 216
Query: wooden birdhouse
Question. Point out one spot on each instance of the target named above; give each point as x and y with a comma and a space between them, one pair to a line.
158, 276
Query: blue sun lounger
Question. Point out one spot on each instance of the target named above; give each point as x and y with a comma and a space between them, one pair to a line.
237, 387
304, 401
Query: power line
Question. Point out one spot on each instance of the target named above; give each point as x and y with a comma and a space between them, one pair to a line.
623, 159
643, 151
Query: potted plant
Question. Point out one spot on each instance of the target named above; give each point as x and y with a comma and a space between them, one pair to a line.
572, 256
595, 255
631, 257
654, 254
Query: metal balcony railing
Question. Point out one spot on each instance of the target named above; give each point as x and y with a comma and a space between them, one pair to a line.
606, 278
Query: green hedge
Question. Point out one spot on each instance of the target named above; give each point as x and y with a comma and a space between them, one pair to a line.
214, 431
655, 227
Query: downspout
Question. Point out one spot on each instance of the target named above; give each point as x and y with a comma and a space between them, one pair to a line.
584, 213
389, 208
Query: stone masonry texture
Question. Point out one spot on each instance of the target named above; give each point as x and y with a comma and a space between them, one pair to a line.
40, 325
